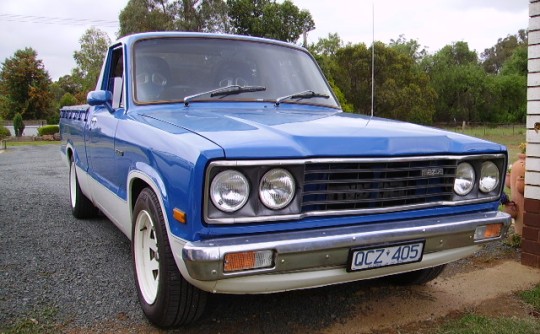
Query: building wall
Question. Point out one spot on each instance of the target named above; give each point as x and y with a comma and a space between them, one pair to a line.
530, 245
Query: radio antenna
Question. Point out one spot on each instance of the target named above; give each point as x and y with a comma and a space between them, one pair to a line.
372, 57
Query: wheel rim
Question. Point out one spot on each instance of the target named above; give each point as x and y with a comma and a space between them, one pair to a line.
72, 185
146, 256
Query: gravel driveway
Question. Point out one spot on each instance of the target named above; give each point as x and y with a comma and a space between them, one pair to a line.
81, 269
50, 260
80, 272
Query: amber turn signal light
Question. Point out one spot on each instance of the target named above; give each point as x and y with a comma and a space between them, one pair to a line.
488, 231
248, 260
179, 215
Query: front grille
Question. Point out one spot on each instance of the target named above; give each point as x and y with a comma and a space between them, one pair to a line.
371, 185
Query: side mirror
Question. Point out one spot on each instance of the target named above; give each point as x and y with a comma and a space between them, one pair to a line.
100, 98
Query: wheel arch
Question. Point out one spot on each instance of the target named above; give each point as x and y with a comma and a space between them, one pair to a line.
138, 179
69, 152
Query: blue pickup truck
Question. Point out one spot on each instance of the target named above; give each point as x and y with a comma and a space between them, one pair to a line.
229, 164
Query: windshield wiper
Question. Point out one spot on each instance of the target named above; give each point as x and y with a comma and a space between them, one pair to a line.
307, 94
227, 90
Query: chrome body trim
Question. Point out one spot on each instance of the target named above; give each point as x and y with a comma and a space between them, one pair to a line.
238, 163
258, 284
364, 211
322, 249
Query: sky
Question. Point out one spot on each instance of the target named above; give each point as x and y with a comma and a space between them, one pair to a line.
54, 27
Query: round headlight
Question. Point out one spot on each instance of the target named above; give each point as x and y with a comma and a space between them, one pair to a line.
489, 177
229, 190
277, 189
464, 182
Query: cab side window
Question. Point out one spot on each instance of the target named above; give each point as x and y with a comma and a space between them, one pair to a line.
116, 78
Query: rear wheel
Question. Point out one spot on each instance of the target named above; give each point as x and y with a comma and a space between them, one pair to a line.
81, 206
167, 299
417, 277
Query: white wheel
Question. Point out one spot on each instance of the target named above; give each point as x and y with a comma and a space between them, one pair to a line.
72, 184
81, 206
166, 298
145, 251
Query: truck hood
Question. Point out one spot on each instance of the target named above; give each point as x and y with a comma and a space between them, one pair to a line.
270, 132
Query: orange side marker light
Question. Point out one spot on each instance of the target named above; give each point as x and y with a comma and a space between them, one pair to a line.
179, 215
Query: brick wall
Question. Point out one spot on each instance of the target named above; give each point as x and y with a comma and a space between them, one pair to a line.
530, 244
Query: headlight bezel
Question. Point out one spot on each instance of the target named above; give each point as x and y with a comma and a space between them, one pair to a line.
266, 198
467, 177
482, 186
220, 179
254, 209
476, 194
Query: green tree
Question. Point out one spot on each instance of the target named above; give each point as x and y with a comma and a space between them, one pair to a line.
327, 46
324, 52
351, 74
402, 89
512, 85
89, 59
67, 100
510, 98
517, 63
267, 18
345, 105
463, 88
18, 125
410, 48
202, 16
4, 105
180, 15
456, 54
24, 83
4, 132
146, 15
67, 84
494, 57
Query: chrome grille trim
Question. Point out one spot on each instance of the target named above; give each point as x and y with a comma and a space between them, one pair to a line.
343, 212
377, 184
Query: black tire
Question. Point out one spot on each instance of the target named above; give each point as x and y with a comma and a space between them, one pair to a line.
167, 299
417, 277
81, 206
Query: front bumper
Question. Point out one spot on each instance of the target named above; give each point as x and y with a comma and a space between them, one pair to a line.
319, 257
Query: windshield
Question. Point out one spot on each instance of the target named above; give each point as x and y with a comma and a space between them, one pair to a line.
171, 69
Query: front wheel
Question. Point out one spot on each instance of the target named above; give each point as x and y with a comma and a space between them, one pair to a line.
417, 277
167, 299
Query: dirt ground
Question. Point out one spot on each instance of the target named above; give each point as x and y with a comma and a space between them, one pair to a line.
488, 291
483, 285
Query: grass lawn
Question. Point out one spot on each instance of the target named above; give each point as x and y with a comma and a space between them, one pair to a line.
510, 136
477, 324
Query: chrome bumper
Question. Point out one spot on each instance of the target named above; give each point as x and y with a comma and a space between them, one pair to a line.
328, 248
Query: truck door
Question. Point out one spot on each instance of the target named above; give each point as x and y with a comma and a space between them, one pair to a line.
101, 130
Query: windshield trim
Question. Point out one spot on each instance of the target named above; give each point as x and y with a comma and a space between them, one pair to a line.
204, 36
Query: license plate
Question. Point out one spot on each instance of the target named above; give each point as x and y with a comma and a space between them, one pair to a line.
384, 256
